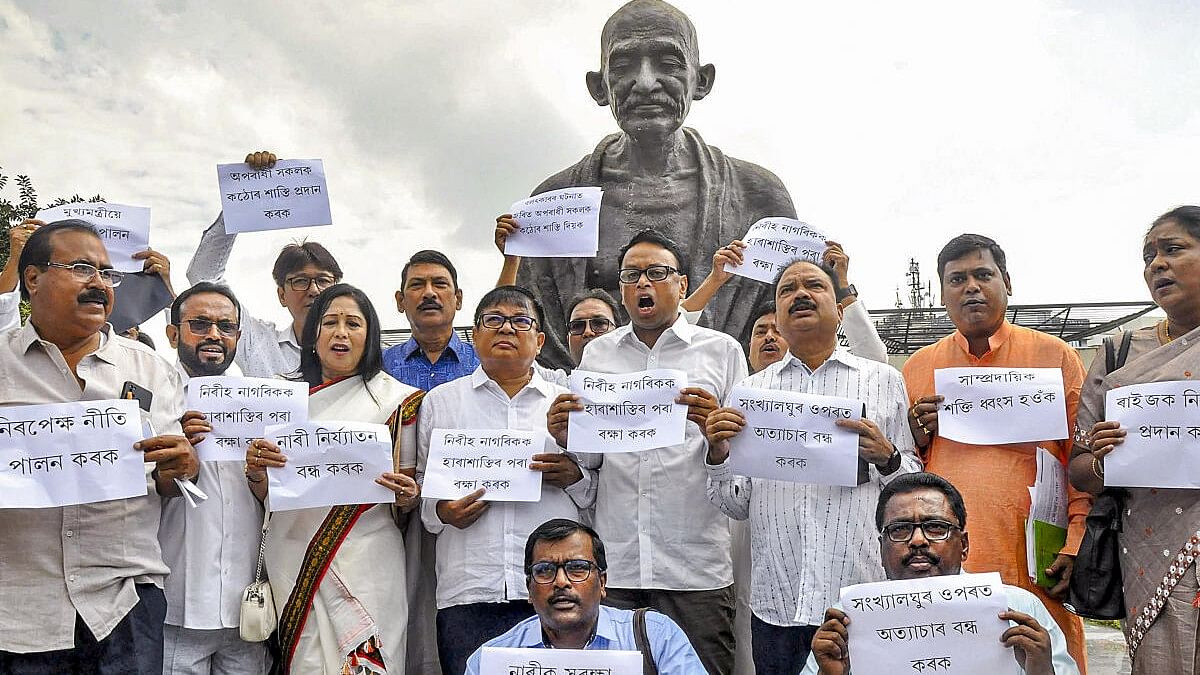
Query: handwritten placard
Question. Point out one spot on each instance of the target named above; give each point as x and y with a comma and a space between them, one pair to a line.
989, 406
626, 413
240, 409
125, 229
70, 453
516, 661
947, 624
463, 460
557, 224
1162, 439
773, 242
329, 463
291, 194
792, 436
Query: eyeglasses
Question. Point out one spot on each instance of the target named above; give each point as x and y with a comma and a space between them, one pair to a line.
933, 530
631, 275
496, 322
203, 326
546, 572
85, 272
599, 325
303, 283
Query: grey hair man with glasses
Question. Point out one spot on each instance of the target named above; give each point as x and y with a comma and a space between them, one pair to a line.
301, 271
922, 525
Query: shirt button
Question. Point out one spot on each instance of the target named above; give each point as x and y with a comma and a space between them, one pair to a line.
70, 533
1178, 511
1166, 553
71, 578
1125, 551
1128, 512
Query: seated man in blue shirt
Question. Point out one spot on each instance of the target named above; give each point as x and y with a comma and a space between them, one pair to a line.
566, 570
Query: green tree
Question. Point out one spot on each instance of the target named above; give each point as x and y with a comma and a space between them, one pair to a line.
26, 206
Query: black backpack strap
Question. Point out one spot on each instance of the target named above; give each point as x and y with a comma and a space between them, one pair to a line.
1110, 355
643, 641
1123, 352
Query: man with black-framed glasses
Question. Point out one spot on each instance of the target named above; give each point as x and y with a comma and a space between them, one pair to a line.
566, 571
922, 523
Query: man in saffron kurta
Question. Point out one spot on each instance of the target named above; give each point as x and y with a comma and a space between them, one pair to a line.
994, 480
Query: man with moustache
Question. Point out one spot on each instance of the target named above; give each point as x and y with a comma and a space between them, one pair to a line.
212, 548
82, 587
922, 524
995, 480
807, 541
670, 546
566, 571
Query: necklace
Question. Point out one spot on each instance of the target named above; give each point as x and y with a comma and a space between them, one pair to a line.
1164, 331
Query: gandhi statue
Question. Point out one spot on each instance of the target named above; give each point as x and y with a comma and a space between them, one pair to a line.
657, 173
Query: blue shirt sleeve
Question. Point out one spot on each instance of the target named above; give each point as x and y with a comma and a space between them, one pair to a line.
673, 653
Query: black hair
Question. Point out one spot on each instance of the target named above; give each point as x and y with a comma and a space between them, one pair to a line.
595, 294
559, 529
652, 236
762, 310
38, 248
965, 244
1187, 217
911, 482
429, 257
296, 256
372, 359
141, 337
827, 269
202, 287
512, 295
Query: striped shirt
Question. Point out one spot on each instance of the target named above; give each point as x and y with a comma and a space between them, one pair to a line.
808, 541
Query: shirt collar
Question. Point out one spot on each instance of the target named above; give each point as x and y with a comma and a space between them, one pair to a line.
994, 341
606, 630
479, 378
286, 335
840, 355
456, 346
29, 335
680, 329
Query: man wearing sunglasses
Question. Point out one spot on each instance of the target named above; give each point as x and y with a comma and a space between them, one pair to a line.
922, 523
566, 571
301, 271
212, 548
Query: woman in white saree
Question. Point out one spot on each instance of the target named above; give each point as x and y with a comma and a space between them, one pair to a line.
337, 573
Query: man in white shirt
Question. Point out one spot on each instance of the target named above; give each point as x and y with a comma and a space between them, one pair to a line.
923, 533
301, 272
481, 590
212, 548
807, 541
669, 547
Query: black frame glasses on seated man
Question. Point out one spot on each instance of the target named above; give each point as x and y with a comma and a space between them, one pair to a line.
631, 275
202, 326
902, 531
599, 324
302, 283
577, 570
85, 272
520, 322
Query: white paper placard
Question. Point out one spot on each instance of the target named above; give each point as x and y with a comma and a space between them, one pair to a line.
240, 409
463, 460
329, 463
61, 454
626, 413
773, 242
992, 406
557, 224
1162, 440
948, 624
125, 229
516, 661
792, 436
291, 194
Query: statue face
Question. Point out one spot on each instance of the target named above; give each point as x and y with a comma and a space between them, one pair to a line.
650, 70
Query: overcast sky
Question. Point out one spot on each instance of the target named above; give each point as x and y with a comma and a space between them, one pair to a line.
1061, 129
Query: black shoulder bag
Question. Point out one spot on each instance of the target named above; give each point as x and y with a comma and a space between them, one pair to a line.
643, 642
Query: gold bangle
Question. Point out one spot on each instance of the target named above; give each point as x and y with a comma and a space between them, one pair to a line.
1097, 467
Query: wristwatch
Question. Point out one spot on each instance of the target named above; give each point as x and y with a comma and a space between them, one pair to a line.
843, 293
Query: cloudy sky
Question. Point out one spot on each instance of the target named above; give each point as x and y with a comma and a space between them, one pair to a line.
1061, 129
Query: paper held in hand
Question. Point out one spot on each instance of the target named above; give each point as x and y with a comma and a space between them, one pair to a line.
1046, 526
792, 436
626, 413
124, 229
63, 454
463, 460
240, 409
773, 242
329, 463
557, 224
515, 661
1162, 440
948, 624
993, 406
293, 193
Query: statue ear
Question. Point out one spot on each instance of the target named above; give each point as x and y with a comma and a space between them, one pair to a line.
704, 81
595, 85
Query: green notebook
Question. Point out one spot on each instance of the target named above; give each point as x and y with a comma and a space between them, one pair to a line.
1048, 540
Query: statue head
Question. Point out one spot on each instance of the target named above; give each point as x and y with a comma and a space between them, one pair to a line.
650, 70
